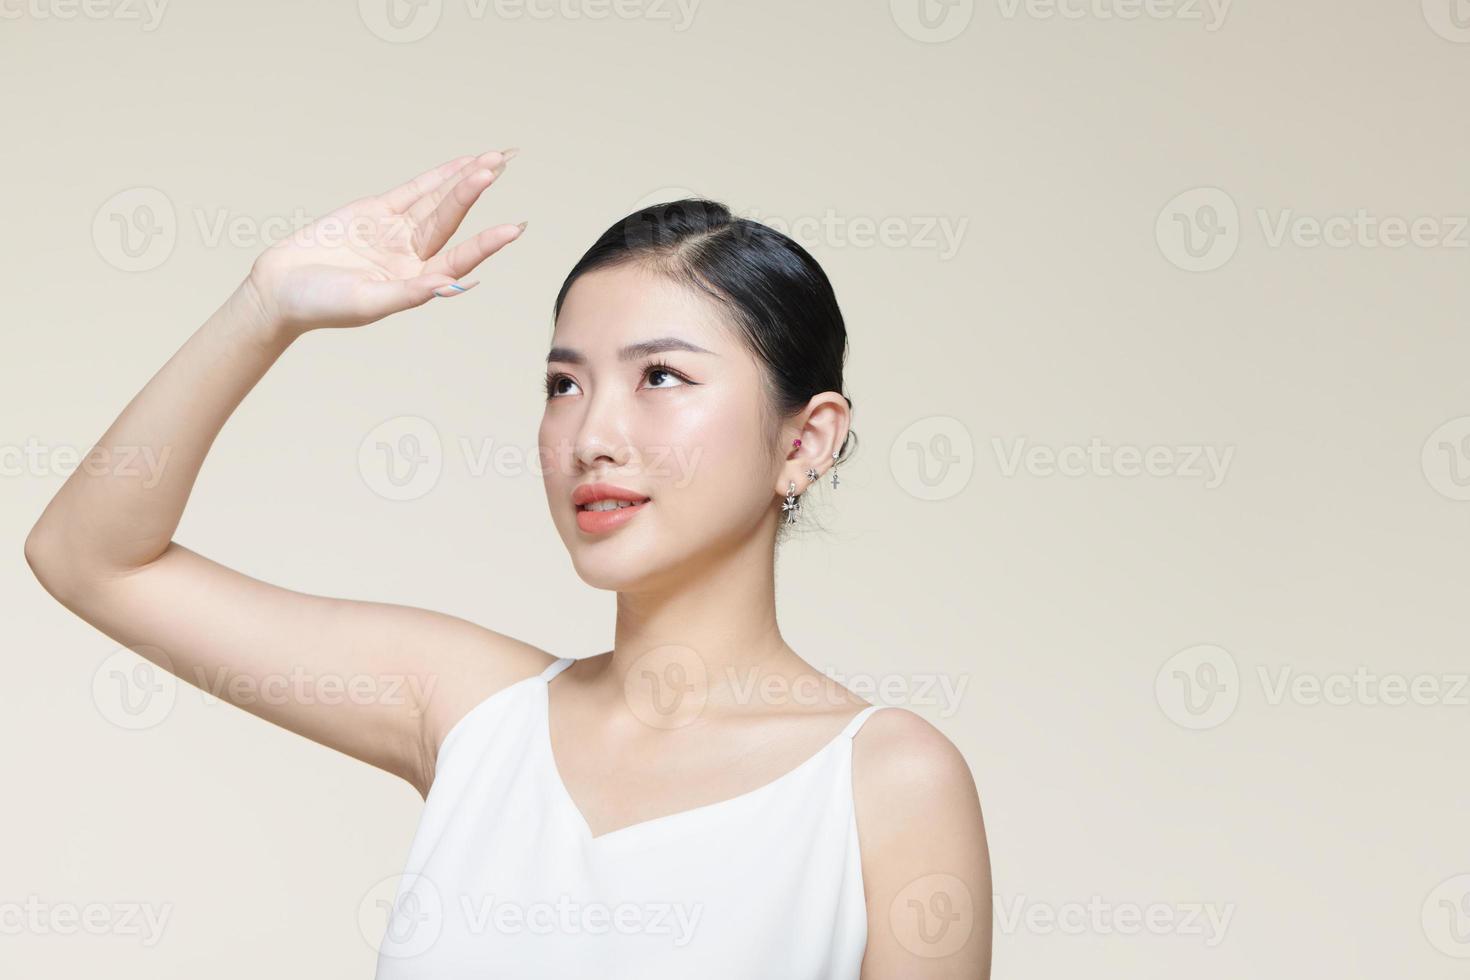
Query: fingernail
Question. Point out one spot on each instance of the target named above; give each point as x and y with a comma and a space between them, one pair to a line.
508, 154
454, 288
522, 227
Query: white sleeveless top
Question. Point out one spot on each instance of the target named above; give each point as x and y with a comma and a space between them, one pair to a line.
505, 880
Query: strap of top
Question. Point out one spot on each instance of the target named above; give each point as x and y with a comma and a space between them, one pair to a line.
557, 667
857, 720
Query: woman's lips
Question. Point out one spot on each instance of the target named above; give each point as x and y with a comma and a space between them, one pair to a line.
602, 521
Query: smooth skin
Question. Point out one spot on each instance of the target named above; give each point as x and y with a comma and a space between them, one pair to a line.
695, 569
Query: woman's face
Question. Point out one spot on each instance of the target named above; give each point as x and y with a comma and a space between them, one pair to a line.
652, 391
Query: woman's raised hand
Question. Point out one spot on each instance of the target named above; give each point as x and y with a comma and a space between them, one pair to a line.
381, 254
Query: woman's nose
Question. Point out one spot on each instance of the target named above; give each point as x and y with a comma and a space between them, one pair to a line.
602, 437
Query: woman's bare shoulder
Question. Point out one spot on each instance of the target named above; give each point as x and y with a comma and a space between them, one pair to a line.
924, 849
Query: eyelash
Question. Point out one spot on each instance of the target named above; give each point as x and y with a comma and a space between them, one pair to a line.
553, 377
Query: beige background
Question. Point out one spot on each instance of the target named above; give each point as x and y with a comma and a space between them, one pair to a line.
1067, 613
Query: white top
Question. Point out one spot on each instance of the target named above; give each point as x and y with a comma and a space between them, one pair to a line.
504, 878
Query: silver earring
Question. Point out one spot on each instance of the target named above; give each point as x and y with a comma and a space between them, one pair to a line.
792, 504
812, 476
834, 468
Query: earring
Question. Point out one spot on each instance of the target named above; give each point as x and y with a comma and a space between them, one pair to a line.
834, 469
812, 475
792, 504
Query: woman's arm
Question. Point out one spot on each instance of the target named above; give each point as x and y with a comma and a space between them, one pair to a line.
926, 863
381, 682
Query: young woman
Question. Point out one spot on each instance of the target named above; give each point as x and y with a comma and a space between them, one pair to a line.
698, 801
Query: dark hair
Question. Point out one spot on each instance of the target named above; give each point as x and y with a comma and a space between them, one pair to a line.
772, 287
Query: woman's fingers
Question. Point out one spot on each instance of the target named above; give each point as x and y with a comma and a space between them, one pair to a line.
426, 210
378, 299
431, 233
401, 198
493, 160
462, 258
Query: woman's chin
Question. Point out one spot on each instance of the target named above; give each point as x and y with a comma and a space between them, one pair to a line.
601, 575
607, 565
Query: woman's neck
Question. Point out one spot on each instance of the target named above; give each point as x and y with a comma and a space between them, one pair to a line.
712, 637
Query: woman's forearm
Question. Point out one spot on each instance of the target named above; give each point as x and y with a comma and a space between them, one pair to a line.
120, 508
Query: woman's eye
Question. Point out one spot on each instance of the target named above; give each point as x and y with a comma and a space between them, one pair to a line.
559, 385
555, 385
665, 373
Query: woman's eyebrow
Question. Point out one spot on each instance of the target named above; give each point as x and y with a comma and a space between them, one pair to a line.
644, 348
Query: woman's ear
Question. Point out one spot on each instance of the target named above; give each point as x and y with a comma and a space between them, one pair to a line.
815, 437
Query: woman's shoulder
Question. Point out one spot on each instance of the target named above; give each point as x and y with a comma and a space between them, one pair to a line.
922, 837
897, 749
